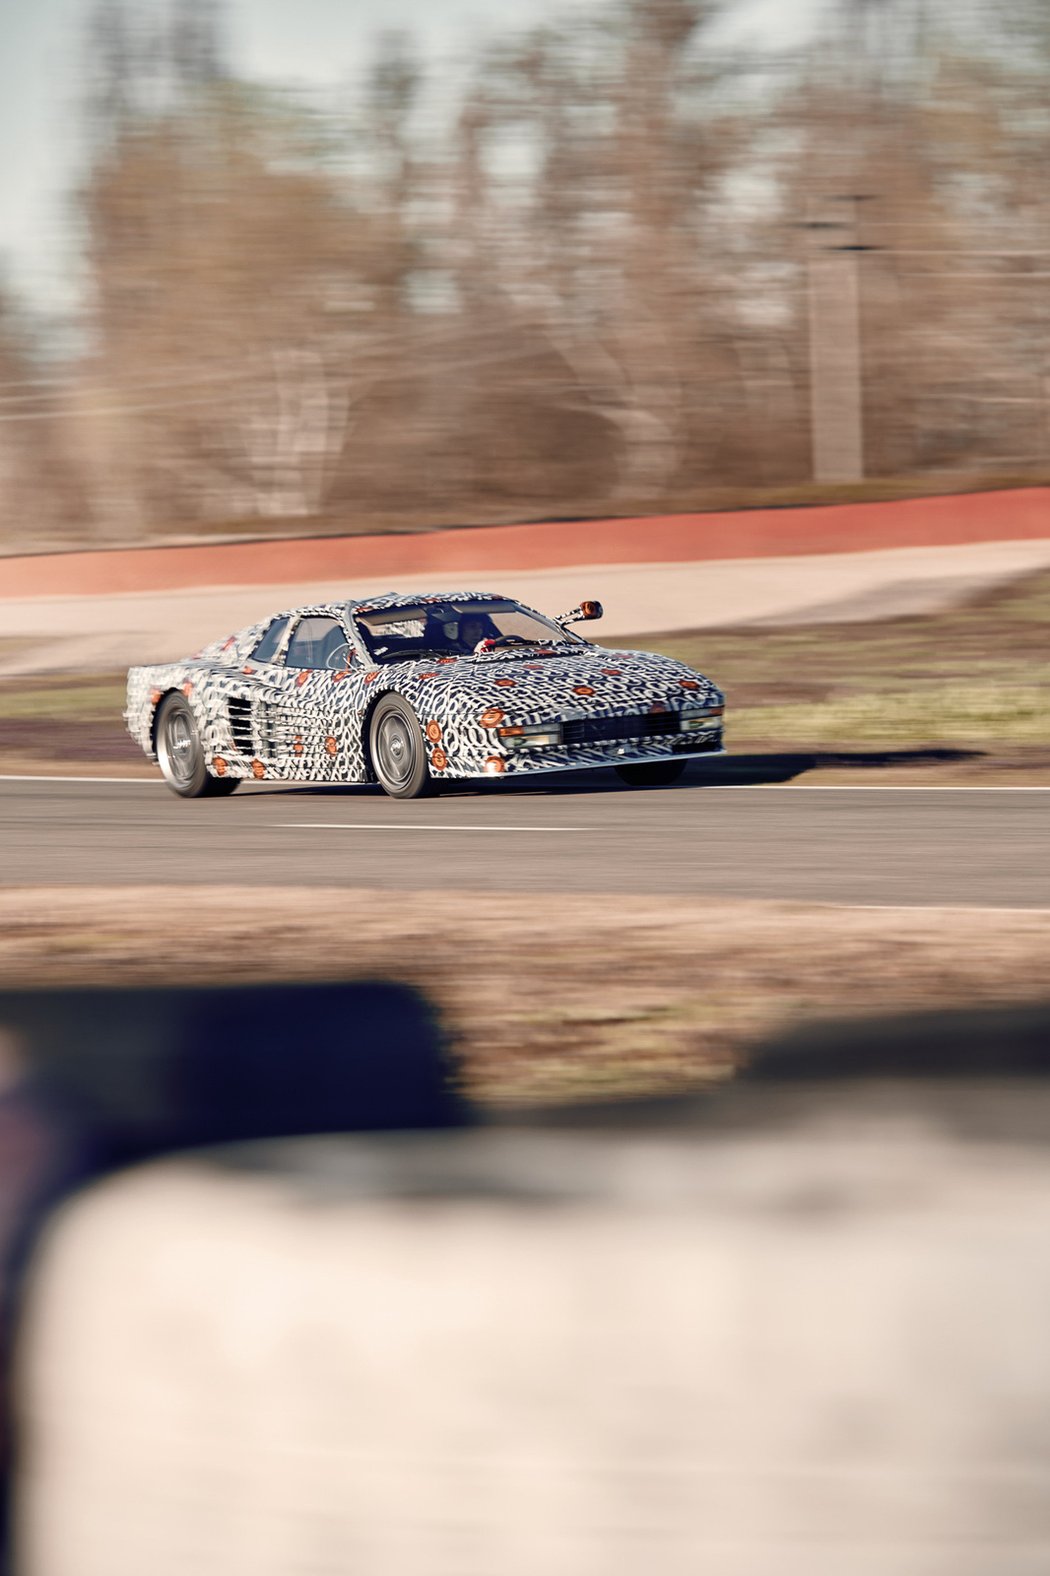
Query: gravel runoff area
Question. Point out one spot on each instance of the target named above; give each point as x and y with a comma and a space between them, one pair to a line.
93, 633
555, 999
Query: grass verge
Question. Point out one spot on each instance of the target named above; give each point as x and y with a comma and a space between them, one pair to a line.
977, 674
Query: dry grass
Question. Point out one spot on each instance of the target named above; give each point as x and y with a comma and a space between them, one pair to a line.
977, 676
550, 999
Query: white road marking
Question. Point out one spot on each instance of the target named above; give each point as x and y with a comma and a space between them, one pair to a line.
898, 787
954, 908
18, 777
414, 826
276, 783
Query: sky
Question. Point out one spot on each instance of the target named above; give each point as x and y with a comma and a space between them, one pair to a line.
305, 42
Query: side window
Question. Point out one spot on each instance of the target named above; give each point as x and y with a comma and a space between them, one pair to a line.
317, 643
267, 647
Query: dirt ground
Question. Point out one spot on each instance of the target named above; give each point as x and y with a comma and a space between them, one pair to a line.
555, 999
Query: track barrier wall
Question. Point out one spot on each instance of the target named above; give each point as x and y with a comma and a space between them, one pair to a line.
1022, 515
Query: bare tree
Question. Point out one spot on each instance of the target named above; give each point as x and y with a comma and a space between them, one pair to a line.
223, 272
37, 490
588, 295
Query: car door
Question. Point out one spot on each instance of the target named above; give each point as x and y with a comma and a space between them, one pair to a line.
309, 725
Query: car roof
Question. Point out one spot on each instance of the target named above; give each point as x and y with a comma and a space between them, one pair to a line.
387, 599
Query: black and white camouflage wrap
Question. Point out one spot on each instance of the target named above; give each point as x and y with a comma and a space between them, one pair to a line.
262, 720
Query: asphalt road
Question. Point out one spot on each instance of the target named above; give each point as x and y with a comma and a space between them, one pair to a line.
883, 846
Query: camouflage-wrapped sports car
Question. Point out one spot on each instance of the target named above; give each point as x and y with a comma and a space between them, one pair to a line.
409, 691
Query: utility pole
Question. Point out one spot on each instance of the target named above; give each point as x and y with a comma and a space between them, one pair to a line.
836, 395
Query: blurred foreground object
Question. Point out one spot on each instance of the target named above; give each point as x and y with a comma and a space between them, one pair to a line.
41, 1158
95, 1079
800, 1330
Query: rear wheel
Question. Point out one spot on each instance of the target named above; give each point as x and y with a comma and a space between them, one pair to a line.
399, 758
651, 774
181, 754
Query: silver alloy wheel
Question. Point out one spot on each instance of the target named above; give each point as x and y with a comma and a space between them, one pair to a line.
180, 753
395, 756
177, 748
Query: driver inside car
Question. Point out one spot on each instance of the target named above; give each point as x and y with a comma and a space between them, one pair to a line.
473, 629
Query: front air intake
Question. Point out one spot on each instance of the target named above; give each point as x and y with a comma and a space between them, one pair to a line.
639, 725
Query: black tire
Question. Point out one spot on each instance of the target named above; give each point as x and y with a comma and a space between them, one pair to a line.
181, 754
398, 751
651, 774
220, 787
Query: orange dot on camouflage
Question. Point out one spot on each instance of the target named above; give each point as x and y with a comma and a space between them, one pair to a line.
340, 675
258, 769
220, 766
369, 677
247, 670
330, 745
612, 673
187, 688
491, 717
154, 697
689, 683
426, 675
298, 745
301, 678
443, 660
583, 689
494, 765
657, 706
505, 683
439, 760
434, 732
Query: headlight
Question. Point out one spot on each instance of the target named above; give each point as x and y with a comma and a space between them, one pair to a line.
530, 735
700, 719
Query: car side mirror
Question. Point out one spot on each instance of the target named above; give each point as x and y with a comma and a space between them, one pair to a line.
582, 614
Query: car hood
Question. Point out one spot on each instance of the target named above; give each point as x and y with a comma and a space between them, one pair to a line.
593, 680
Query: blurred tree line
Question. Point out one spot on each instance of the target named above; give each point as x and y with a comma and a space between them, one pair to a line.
594, 271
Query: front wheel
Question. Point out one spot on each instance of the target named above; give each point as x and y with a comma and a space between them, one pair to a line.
181, 754
651, 774
398, 754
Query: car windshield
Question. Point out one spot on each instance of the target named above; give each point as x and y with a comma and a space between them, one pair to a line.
454, 629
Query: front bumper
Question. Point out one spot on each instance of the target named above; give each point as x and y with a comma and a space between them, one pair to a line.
620, 752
